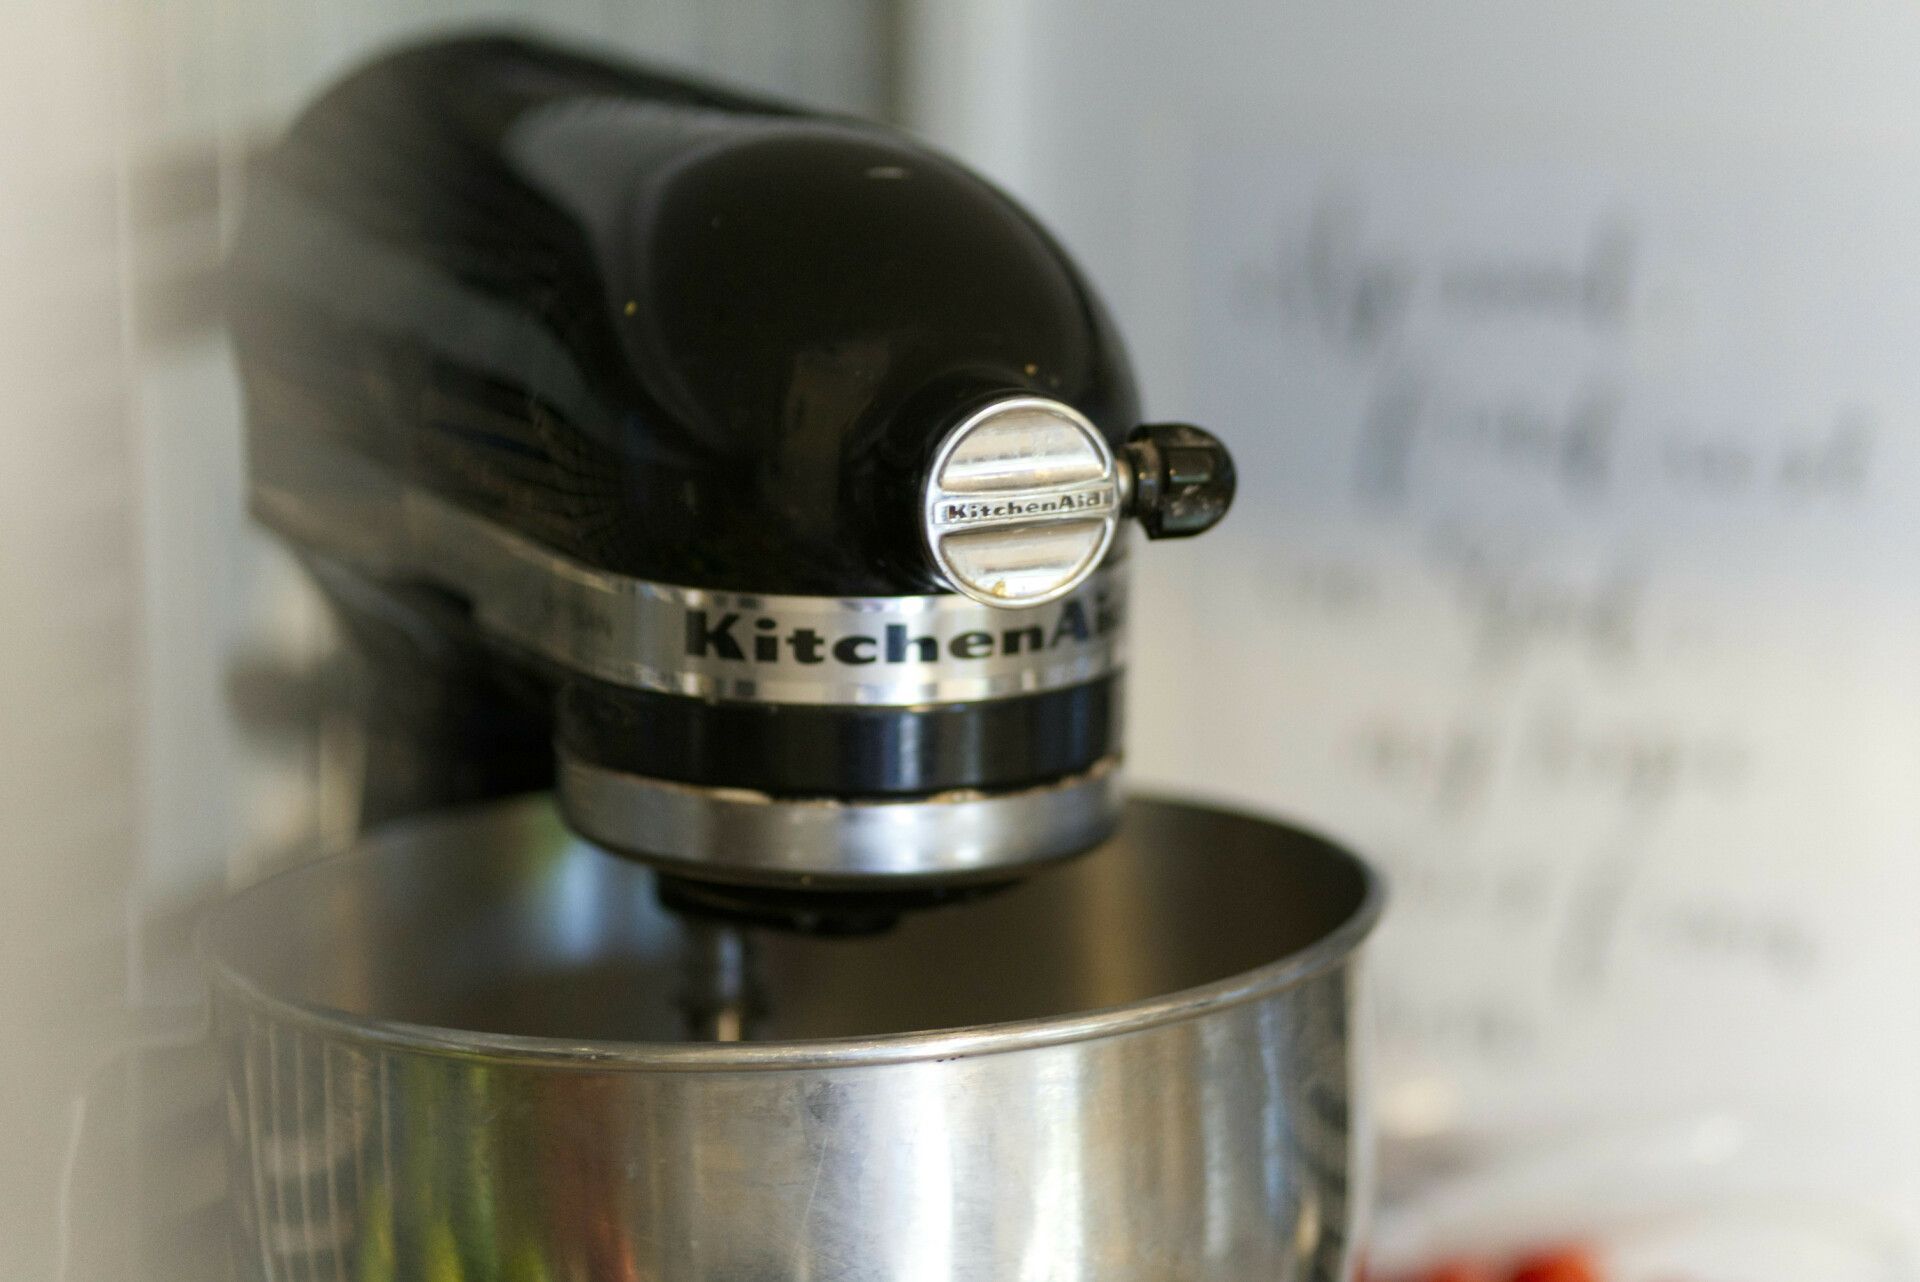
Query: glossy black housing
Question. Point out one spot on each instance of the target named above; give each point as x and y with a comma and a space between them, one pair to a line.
668, 330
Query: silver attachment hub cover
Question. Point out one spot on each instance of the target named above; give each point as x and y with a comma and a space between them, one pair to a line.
1022, 502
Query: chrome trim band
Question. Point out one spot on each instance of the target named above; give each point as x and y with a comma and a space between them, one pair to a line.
898, 651
736, 835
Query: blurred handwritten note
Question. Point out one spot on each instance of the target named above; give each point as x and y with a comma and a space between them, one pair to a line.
1574, 580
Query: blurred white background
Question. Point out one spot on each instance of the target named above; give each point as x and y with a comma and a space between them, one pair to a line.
1568, 353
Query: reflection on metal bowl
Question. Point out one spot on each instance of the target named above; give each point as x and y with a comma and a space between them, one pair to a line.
480, 1048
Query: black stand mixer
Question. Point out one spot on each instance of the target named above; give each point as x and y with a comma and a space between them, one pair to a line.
757, 482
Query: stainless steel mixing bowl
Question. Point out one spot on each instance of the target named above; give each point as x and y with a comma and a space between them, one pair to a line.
480, 1049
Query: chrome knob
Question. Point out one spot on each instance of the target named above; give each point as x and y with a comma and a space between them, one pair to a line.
1022, 502
1025, 495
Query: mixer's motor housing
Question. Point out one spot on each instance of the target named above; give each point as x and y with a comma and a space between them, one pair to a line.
755, 478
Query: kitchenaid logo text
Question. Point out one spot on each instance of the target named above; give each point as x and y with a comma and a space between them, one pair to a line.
970, 511
765, 639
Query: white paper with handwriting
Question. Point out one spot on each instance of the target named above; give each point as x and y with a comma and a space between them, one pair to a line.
1576, 580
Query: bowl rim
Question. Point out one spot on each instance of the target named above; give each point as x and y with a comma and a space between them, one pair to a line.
1334, 949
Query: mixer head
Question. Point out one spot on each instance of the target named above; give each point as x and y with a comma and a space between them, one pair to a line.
756, 478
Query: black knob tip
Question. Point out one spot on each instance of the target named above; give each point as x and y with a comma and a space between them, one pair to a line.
1183, 479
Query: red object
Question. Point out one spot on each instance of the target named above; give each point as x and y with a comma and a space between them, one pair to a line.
1458, 1271
1562, 1264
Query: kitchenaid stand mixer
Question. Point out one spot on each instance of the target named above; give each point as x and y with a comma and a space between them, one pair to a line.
760, 483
